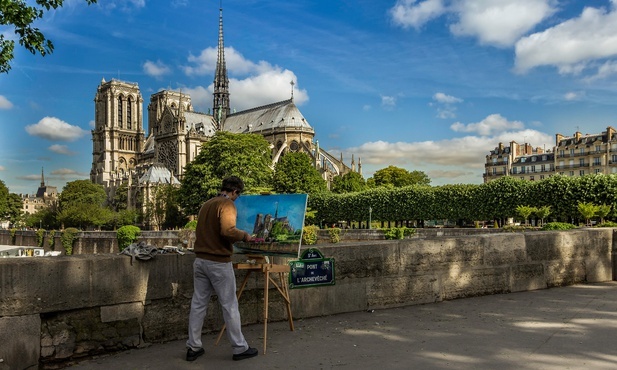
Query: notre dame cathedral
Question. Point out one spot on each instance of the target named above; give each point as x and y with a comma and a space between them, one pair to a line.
124, 153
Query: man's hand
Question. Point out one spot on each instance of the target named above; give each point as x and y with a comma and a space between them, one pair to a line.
247, 238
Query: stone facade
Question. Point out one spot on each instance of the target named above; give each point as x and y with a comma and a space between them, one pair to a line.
576, 155
123, 152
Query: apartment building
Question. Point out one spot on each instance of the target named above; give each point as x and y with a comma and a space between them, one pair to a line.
576, 155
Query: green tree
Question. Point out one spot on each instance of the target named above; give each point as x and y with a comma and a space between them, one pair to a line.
20, 16
4, 199
81, 205
525, 212
603, 211
587, 210
294, 173
348, 183
247, 156
543, 212
397, 177
14, 208
120, 200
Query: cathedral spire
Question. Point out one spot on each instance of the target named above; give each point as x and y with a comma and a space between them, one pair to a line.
42, 178
221, 81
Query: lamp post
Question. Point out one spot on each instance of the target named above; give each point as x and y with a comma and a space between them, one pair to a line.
370, 212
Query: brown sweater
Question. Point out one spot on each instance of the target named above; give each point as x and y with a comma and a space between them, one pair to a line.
216, 230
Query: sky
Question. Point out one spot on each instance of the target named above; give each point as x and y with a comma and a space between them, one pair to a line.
426, 85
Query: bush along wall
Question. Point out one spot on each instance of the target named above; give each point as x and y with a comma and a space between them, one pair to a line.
496, 200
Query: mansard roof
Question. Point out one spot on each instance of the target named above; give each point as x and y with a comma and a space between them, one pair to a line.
281, 115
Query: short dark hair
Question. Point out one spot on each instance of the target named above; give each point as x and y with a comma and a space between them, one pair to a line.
233, 183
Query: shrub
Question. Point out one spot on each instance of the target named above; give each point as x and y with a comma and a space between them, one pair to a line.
191, 225
607, 224
558, 226
126, 235
52, 240
335, 234
398, 232
67, 239
309, 235
13, 233
40, 237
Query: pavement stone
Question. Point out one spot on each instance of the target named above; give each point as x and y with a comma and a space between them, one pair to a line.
572, 327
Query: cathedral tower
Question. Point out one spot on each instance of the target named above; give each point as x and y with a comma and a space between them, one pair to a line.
118, 134
220, 105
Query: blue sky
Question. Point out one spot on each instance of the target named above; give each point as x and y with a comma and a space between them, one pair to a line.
428, 85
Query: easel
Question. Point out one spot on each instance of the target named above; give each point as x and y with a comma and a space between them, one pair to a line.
264, 266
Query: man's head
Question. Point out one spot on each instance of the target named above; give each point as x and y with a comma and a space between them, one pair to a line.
233, 184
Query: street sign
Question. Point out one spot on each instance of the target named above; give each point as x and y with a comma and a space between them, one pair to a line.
311, 270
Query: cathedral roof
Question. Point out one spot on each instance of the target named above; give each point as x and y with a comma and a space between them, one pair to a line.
273, 116
158, 174
202, 122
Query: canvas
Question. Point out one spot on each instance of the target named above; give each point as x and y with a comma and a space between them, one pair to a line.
275, 221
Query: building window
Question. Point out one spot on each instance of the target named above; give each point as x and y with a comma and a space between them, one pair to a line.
533, 159
531, 178
571, 173
582, 151
597, 148
581, 172
514, 170
128, 114
561, 153
571, 152
581, 162
543, 168
120, 112
596, 161
494, 171
544, 157
598, 170
552, 167
533, 168
541, 177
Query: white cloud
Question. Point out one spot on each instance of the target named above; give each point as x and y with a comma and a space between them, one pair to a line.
571, 96
52, 128
499, 23
604, 71
458, 158
572, 45
447, 99
388, 102
491, 125
61, 149
445, 105
412, 13
156, 69
5, 103
263, 83
67, 174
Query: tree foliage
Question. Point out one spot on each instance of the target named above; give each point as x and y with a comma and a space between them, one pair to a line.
247, 156
81, 205
21, 16
348, 183
294, 173
397, 177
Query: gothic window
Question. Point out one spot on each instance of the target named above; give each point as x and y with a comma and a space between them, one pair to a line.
120, 111
128, 113
294, 146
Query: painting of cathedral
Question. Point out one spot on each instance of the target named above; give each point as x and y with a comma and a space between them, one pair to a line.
274, 221
123, 152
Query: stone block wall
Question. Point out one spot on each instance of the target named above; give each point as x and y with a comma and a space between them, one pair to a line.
69, 307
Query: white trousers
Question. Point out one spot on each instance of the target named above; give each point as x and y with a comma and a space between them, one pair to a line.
218, 278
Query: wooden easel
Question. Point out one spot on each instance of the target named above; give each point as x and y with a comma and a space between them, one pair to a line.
262, 265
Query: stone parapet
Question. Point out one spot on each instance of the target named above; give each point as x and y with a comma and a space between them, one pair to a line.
84, 305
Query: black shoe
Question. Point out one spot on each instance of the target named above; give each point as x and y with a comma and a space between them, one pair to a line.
192, 355
251, 352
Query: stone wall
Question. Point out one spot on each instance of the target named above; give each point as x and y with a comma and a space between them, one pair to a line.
69, 307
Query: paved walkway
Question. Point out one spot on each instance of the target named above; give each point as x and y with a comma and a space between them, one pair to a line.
561, 328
